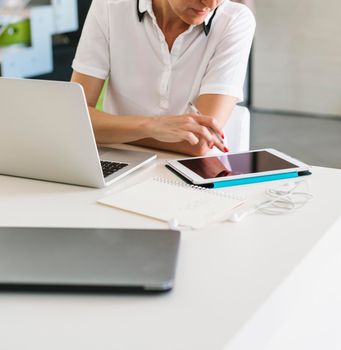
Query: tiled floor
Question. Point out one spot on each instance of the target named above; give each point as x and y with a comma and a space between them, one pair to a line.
315, 141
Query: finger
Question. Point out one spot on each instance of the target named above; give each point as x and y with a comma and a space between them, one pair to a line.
217, 142
220, 145
202, 132
210, 123
189, 137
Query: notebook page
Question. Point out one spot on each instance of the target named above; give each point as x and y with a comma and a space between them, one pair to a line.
162, 199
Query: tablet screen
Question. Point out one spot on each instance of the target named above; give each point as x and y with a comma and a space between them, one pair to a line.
236, 164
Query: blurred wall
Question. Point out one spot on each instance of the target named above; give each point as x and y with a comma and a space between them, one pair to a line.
297, 56
63, 53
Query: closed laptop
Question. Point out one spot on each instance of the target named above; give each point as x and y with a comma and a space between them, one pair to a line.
87, 259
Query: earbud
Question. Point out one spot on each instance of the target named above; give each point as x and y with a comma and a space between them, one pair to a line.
235, 217
173, 224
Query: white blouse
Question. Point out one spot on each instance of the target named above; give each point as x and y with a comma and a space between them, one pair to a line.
122, 41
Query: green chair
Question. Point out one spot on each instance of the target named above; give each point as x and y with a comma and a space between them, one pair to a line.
16, 33
100, 101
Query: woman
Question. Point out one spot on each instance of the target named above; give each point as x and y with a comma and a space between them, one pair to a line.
159, 56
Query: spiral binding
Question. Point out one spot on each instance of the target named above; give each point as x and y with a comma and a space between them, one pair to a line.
199, 188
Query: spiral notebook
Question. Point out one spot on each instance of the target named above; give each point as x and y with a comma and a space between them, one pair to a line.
165, 200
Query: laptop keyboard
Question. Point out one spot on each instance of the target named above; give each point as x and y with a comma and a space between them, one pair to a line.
108, 168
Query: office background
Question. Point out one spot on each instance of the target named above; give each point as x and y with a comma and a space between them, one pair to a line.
293, 81
296, 76
65, 46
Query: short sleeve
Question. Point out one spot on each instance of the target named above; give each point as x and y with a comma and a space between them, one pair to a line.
226, 70
93, 53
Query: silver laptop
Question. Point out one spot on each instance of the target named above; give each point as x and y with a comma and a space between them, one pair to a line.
81, 259
46, 134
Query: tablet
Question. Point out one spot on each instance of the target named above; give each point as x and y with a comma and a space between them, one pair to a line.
245, 165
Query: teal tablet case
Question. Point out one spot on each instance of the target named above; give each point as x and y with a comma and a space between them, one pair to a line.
251, 180
245, 181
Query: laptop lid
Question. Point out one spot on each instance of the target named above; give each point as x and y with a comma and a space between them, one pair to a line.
46, 134
87, 259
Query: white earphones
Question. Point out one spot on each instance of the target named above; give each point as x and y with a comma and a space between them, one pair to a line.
283, 199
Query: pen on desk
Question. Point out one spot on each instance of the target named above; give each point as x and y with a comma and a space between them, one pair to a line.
195, 110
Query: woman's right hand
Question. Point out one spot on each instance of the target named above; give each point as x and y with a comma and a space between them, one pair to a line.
193, 128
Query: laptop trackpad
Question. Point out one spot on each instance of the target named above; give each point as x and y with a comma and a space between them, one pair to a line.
104, 150
113, 154
124, 156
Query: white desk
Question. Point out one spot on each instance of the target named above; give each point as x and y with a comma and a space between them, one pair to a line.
225, 273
